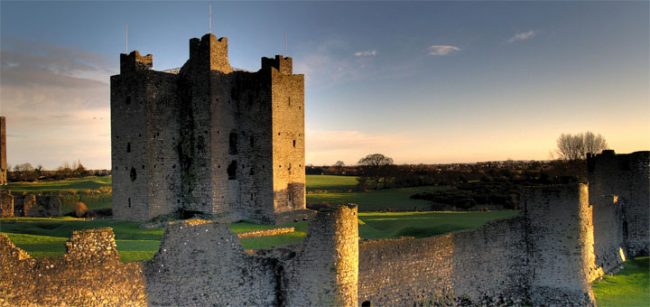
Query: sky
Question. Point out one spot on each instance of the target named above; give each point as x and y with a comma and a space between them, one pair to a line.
421, 82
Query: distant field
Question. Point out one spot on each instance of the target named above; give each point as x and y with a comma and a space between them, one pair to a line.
382, 200
70, 185
321, 189
330, 183
629, 287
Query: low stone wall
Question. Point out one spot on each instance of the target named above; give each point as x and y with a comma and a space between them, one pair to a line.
481, 266
266, 232
544, 257
6, 204
89, 274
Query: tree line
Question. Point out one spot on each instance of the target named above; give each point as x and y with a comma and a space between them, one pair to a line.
27, 172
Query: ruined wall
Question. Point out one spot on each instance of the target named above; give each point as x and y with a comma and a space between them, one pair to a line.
89, 274
203, 264
3, 150
486, 265
6, 204
325, 270
561, 244
144, 134
543, 257
620, 193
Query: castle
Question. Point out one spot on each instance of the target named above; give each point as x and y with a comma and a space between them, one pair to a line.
209, 138
565, 237
224, 142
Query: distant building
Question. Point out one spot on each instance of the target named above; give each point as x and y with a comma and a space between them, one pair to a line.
208, 138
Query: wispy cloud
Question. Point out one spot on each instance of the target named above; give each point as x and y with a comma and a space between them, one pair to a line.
441, 50
56, 100
366, 53
522, 36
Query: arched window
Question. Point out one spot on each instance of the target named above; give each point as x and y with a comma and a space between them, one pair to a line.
133, 174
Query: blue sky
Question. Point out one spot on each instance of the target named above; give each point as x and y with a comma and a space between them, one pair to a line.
423, 82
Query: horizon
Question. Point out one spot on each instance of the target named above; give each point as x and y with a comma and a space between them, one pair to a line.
454, 83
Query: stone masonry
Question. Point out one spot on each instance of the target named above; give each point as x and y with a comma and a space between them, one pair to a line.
620, 193
209, 139
3, 150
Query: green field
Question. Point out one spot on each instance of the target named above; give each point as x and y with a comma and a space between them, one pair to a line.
67, 185
629, 287
321, 189
43, 237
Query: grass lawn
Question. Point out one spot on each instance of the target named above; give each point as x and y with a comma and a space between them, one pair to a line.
629, 287
330, 183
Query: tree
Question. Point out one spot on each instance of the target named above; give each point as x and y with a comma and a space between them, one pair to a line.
375, 169
576, 147
339, 163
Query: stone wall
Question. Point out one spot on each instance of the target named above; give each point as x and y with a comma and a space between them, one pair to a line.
620, 193
543, 257
560, 241
89, 274
3, 150
485, 265
144, 138
6, 204
199, 263
325, 269
203, 264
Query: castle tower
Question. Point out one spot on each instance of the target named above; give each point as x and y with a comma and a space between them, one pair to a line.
234, 139
144, 133
561, 244
326, 271
3, 150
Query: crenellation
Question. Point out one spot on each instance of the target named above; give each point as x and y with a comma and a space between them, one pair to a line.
133, 62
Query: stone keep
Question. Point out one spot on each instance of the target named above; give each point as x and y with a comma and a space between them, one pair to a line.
209, 138
3, 150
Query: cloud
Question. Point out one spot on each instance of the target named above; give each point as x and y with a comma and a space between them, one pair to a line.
442, 49
522, 36
56, 100
366, 53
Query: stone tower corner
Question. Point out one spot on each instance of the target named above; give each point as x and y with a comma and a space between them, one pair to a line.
134, 62
283, 64
209, 53
561, 244
326, 272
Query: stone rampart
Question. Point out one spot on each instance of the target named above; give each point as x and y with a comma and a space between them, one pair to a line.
619, 190
543, 257
6, 204
89, 274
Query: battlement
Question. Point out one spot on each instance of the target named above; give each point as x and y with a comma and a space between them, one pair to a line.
210, 52
134, 62
621, 162
283, 64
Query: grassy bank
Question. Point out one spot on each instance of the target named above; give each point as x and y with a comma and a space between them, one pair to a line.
628, 287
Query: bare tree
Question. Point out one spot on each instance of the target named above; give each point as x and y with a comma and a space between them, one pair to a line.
576, 147
375, 170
